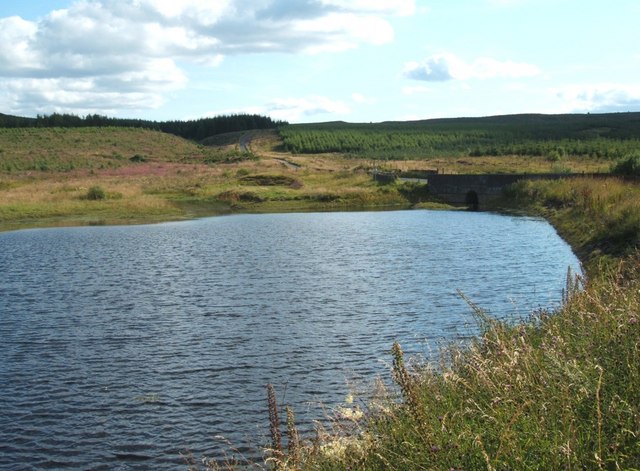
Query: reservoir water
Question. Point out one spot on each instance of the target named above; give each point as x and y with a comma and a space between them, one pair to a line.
121, 347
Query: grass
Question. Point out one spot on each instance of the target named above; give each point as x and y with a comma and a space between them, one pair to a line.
159, 177
600, 217
148, 176
69, 149
561, 391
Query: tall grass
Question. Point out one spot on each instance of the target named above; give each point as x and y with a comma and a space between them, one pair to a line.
561, 391
599, 217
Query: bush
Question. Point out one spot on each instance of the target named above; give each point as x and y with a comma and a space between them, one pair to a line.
271, 180
96, 193
415, 192
629, 165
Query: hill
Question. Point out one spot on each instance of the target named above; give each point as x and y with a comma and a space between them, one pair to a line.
197, 129
599, 136
66, 149
114, 175
9, 121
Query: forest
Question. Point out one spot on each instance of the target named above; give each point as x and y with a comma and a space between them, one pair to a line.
601, 136
196, 130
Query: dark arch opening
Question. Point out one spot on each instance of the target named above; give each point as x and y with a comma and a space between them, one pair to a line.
472, 200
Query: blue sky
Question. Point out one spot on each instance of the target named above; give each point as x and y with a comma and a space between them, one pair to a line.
319, 60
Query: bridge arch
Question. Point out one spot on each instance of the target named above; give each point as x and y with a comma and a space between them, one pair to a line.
472, 200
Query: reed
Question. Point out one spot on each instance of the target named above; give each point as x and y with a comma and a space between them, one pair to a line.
293, 448
277, 454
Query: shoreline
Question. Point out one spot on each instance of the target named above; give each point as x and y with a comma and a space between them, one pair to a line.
579, 337
199, 211
504, 402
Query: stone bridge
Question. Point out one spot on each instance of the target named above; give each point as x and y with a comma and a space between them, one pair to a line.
476, 190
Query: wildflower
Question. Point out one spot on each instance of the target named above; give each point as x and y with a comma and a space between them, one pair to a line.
354, 413
633, 321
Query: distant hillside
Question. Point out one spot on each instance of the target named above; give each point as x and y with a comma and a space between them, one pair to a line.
608, 136
9, 121
66, 149
542, 126
193, 129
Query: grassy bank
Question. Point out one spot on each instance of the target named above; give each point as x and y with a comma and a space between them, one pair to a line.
600, 218
147, 176
561, 391
163, 192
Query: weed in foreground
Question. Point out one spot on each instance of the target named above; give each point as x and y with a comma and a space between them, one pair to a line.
277, 454
560, 392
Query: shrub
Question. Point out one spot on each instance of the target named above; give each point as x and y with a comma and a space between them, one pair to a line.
629, 165
96, 193
415, 192
271, 180
554, 156
234, 195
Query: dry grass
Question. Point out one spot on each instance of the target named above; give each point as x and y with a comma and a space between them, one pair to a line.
43, 172
601, 217
172, 182
558, 392
502, 164
68, 149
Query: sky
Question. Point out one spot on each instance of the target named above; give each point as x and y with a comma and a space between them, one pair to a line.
318, 60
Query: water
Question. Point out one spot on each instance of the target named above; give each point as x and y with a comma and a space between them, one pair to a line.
120, 347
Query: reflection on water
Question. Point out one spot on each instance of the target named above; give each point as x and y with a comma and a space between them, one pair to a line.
122, 346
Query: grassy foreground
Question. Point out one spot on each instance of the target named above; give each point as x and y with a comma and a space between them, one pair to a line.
561, 391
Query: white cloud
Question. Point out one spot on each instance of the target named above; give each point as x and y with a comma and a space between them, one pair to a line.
437, 68
416, 90
292, 109
599, 98
362, 29
505, 3
138, 47
395, 7
297, 109
20, 57
444, 67
362, 99
205, 11
83, 95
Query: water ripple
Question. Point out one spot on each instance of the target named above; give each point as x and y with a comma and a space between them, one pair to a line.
121, 347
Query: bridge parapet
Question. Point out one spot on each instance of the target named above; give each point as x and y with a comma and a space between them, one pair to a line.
477, 190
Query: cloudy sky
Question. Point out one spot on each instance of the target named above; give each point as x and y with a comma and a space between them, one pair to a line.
318, 60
